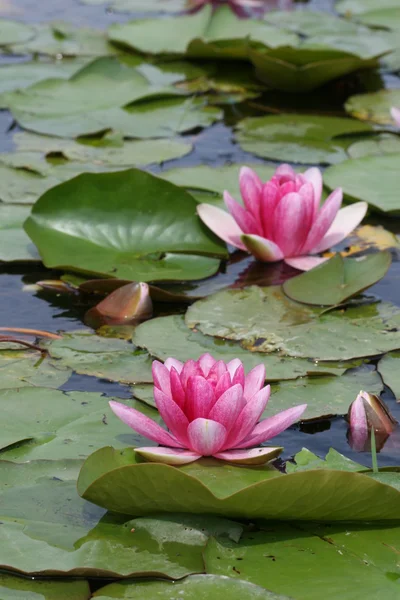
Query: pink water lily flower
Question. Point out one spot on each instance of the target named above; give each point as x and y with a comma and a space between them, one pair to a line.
282, 218
369, 412
395, 112
211, 408
244, 7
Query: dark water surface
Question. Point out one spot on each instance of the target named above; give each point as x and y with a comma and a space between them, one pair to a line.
22, 305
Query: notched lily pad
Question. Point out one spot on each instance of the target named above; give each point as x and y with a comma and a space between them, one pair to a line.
337, 280
374, 107
117, 481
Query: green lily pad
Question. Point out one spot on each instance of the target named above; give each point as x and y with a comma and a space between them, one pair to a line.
196, 587
214, 179
309, 23
361, 6
305, 460
14, 243
298, 138
351, 562
21, 75
65, 39
27, 368
12, 32
324, 396
388, 367
385, 143
302, 69
115, 480
361, 179
40, 423
223, 31
12, 587
388, 18
106, 358
48, 530
169, 336
264, 320
133, 237
80, 105
374, 106
337, 280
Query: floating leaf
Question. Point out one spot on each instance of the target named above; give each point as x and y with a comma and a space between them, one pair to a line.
309, 23
338, 279
45, 424
106, 358
12, 587
26, 368
388, 18
351, 562
360, 6
169, 336
14, 242
298, 138
114, 479
389, 369
374, 106
12, 32
196, 587
139, 225
265, 321
385, 143
362, 179
83, 104
306, 460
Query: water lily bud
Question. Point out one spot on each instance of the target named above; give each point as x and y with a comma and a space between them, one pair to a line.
369, 412
128, 305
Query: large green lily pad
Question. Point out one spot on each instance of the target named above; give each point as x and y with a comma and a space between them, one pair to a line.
12, 32
351, 562
337, 280
106, 358
115, 480
196, 587
389, 369
298, 138
15, 245
40, 423
361, 179
387, 18
13, 588
265, 321
137, 228
374, 106
27, 368
310, 23
204, 34
384, 143
169, 336
83, 104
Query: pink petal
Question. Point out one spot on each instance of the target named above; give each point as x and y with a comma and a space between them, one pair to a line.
287, 188
173, 363
243, 217
143, 425
206, 362
228, 407
261, 248
358, 424
239, 376
305, 263
314, 176
250, 189
286, 171
323, 221
248, 418
254, 381
221, 223
233, 366
269, 200
269, 428
223, 384
347, 219
289, 231
254, 456
200, 398
217, 371
306, 191
177, 391
395, 112
190, 368
173, 416
206, 437
168, 456
161, 377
